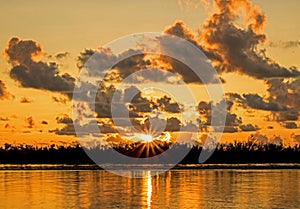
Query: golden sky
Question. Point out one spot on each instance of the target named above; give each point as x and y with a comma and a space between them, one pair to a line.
28, 114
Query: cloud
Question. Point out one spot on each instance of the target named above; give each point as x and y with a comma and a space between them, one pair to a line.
233, 48
62, 55
167, 105
289, 125
286, 93
59, 99
29, 122
25, 100
103, 63
257, 102
285, 44
36, 74
180, 48
92, 127
3, 91
44, 122
248, 127
173, 124
232, 120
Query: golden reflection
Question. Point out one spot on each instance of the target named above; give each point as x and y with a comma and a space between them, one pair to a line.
149, 188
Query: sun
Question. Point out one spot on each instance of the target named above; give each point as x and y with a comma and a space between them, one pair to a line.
145, 137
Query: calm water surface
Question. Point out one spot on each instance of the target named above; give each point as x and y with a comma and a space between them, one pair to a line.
173, 189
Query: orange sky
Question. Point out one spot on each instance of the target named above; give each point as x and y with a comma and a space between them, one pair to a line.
73, 26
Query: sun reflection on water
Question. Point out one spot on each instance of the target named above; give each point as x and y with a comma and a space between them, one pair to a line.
149, 189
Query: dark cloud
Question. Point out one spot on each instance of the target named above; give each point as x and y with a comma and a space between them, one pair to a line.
282, 100
36, 74
68, 129
285, 44
60, 100
290, 125
180, 29
29, 122
230, 47
232, 120
138, 102
44, 122
257, 102
92, 127
103, 63
173, 124
187, 53
238, 46
3, 91
25, 100
248, 127
286, 115
167, 105
286, 93
190, 127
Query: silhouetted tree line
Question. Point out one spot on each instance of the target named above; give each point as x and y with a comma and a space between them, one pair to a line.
232, 153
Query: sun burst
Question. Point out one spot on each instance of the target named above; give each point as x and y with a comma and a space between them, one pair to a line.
145, 137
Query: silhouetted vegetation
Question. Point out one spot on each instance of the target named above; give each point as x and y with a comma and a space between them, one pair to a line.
232, 153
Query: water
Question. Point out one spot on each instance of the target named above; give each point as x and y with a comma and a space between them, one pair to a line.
174, 189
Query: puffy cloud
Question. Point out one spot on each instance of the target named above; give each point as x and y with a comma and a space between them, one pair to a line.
85, 129
103, 63
3, 91
173, 124
68, 129
200, 64
167, 105
36, 74
285, 115
289, 125
248, 127
138, 102
180, 29
286, 93
235, 48
232, 120
257, 102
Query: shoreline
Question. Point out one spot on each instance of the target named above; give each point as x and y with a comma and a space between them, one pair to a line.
157, 167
